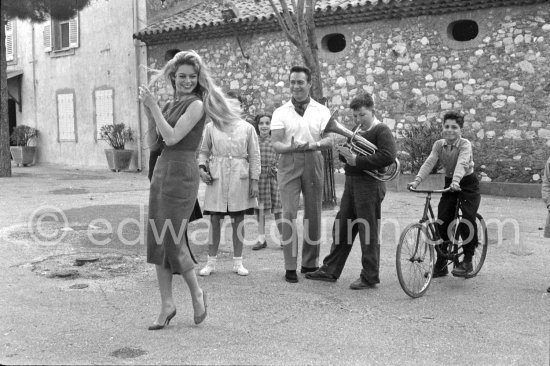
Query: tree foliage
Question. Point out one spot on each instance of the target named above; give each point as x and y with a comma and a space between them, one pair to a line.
35, 11
40, 10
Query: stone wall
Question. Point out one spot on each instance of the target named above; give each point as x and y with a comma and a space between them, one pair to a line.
500, 80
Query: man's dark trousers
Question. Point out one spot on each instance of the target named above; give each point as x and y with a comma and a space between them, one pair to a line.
361, 202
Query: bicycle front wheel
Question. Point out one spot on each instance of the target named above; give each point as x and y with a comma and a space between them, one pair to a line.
414, 260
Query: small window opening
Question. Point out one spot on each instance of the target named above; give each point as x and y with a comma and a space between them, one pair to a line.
168, 55
335, 42
463, 30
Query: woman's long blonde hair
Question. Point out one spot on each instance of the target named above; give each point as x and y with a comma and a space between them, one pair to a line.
217, 106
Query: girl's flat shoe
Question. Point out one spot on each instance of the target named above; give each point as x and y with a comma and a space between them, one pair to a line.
199, 319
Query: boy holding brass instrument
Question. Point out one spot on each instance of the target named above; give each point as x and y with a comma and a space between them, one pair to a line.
360, 206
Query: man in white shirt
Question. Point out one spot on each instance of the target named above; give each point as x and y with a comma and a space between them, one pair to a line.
297, 134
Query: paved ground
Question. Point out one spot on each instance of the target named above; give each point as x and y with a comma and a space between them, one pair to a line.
98, 313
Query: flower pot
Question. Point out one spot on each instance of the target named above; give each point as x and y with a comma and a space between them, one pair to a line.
23, 155
118, 159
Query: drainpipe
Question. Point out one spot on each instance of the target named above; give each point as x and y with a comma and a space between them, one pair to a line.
137, 50
33, 48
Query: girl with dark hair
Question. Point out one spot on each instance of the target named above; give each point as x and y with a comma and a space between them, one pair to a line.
269, 198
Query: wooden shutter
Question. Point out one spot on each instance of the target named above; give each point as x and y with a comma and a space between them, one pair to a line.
73, 32
65, 117
47, 35
104, 114
10, 40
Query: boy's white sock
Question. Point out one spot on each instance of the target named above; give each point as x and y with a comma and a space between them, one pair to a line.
261, 238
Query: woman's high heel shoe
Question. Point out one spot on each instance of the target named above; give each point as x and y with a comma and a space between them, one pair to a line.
199, 319
166, 322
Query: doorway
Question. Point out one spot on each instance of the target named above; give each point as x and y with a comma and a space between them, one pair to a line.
12, 116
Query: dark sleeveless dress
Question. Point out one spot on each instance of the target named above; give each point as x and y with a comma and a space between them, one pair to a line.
172, 196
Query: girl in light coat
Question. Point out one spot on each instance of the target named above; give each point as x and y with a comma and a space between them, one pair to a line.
229, 162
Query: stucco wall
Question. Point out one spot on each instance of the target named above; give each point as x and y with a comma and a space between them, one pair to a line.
104, 58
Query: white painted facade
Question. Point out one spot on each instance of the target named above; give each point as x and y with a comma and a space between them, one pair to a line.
77, 76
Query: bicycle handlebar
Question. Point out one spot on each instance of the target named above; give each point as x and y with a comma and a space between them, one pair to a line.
429, 191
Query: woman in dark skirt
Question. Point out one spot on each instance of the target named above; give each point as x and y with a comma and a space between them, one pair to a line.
175, 181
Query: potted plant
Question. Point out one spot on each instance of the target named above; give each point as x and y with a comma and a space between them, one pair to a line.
22, 153
117, 135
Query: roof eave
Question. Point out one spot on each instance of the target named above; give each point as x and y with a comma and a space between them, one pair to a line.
323, 18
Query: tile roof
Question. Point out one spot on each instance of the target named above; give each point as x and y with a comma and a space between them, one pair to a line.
204, 20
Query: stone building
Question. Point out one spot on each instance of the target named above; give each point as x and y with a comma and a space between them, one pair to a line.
419, 58
69, 78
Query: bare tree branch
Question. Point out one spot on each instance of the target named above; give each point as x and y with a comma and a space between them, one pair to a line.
299, 12
291, 37
292, 25
310, 23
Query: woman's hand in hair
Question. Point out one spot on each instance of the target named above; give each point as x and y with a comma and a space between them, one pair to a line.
146, 97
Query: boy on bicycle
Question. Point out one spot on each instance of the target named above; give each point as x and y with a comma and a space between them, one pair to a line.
455, 155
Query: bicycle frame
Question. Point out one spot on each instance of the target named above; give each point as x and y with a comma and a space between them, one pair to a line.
415, 257
429, 219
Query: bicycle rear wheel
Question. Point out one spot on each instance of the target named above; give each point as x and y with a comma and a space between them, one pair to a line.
481, 249
414, 260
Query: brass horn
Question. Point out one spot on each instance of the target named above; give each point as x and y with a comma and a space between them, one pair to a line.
361, 146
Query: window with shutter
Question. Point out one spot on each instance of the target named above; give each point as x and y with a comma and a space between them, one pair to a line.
65, 116
10, 40
60, 35
104, 106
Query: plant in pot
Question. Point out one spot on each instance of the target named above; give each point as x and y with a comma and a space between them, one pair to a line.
21, 137
117, 135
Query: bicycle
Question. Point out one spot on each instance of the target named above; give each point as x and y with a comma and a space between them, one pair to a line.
415, 260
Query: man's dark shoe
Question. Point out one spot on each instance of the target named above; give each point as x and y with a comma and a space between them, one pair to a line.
308, 269
291, 276
463, 269
548, 289
259, 246
361, 284
320, 275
